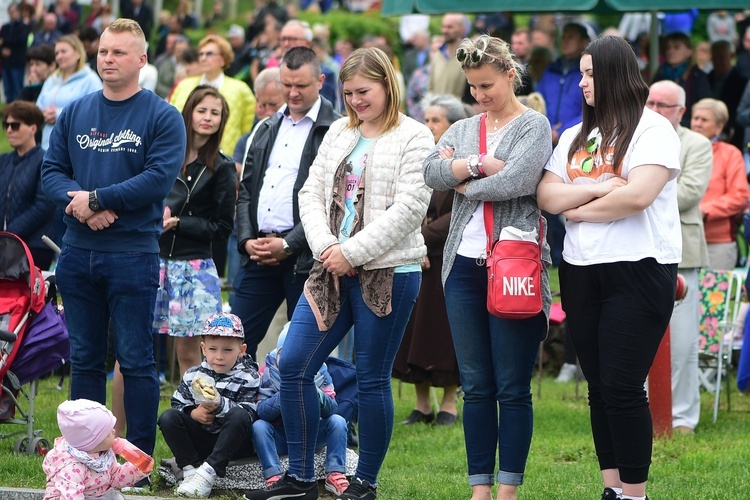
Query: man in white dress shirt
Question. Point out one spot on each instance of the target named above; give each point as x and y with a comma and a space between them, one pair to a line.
275, 257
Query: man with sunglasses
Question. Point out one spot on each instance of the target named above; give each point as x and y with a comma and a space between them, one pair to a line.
24, 209
696, 158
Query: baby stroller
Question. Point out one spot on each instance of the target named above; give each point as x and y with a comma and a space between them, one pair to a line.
33, 339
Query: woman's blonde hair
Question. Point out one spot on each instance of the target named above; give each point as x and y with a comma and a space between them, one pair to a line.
373, 64
224, 47
535, 101
490, 51
718, 108
77, 46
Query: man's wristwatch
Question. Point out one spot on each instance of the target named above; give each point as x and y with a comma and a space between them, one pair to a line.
94, 201
287, 249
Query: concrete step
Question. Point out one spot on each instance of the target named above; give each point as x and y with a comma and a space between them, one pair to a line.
30, 494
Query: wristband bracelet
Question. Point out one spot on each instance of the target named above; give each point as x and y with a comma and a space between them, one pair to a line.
472, 172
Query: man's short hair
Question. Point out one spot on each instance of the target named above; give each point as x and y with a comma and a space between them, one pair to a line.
679, 37
307, 32
296, 57
25, 111
266, 77
523, 31
584, 31
88, 34
672, 87
123, 25
189, 55
723, 45
44, 53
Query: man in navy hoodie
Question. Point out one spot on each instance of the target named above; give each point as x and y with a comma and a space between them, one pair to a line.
559, 87
113, 157
559, 83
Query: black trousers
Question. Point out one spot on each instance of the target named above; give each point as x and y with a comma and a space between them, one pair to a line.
192, 445
617, 314
259, 291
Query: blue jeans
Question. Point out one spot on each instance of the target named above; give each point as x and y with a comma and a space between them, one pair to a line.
233, 264
496, 359
346, 347
269, 442
97, 286
375, 345
12, 82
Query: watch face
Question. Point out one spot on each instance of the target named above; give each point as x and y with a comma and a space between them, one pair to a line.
93, 202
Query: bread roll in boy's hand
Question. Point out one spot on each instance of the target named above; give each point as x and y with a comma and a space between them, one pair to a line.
204, 392
203, 388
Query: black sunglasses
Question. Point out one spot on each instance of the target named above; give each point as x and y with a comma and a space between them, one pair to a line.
14, 126
475, 55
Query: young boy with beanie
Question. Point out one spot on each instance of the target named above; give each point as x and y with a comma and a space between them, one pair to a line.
213, 408
82, 463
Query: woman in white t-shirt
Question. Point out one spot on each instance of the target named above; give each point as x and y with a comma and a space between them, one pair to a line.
613, 178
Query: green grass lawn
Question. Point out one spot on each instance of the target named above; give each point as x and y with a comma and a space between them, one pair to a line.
426, 462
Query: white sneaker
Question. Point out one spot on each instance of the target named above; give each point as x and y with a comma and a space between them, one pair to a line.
198, 484
567, 373
187, 472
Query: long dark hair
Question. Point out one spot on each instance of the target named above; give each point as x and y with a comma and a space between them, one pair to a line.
620, 94
209, 151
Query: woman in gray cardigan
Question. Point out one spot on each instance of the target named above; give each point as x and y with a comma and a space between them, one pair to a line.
495, 355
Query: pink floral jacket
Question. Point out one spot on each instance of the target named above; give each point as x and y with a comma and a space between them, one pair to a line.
69, 479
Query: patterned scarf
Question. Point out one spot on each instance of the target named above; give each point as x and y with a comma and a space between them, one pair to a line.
98, 464
322, 288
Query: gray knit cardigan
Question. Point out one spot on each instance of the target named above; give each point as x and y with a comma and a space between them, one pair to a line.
525, 149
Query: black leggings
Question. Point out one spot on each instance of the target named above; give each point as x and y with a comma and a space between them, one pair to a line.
617, 314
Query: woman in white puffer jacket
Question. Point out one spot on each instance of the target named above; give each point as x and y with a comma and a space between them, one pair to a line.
362, 208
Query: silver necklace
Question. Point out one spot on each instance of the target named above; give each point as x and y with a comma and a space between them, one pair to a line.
496, 121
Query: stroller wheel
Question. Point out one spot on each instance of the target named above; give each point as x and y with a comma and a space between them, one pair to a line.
21, 445
40, 446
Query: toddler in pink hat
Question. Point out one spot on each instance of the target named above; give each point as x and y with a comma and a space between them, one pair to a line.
82, 464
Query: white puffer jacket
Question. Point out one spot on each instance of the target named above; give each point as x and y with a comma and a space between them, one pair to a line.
396, 196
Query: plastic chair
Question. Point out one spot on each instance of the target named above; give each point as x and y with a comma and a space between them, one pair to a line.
720, 294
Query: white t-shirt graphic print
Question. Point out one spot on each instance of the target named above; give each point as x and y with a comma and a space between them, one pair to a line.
655, 232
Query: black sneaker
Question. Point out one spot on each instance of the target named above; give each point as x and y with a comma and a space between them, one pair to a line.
286, 488
359, 489
609, 494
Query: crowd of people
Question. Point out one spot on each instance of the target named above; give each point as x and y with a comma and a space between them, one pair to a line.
352, 186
